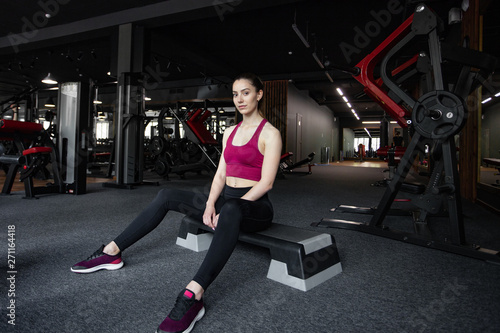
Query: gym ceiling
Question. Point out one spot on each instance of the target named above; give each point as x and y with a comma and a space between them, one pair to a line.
209, 41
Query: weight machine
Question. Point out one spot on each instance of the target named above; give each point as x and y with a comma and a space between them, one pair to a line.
287, 166
32, 150
63, 146
435, 118
196, 152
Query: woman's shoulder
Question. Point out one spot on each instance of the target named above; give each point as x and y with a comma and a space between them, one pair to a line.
270, 131
268, 127
228, 131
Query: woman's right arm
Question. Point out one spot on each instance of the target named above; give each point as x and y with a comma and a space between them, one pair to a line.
218, 184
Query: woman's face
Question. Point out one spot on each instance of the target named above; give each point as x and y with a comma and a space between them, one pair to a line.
245, 96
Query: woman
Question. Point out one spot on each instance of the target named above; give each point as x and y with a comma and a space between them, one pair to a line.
237, 201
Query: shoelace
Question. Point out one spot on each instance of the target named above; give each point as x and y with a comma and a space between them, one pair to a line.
182, 305
96, 254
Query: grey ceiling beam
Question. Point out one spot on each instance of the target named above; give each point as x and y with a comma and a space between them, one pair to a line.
132, 15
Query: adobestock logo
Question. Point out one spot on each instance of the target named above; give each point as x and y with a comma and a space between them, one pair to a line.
373, 28
30, 28
223, 7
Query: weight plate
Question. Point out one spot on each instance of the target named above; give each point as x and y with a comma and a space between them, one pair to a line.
161, 167
157, 145
439, 115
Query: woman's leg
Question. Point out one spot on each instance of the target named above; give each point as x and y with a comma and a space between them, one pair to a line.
109, 257
187, 202
235, 215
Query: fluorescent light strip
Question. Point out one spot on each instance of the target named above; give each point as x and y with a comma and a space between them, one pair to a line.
340, 92
329, 77
297, 31
497, 94
345, 99
486, 100
317, 60
378, 122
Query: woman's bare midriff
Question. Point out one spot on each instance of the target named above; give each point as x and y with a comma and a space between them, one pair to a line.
239, 182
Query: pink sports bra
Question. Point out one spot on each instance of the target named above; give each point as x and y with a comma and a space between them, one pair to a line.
244, 161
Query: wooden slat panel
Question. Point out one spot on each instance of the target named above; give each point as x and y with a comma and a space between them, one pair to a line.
275, 106
469, 144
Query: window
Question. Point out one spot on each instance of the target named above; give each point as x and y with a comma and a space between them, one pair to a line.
102, 130
366, 141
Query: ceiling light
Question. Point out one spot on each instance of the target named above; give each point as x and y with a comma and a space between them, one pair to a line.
345, 99
147, 98
486, 100
96, 97
297, 31
340, 92
349, 105
371, 122
49, 80
368, 133
497, 94
50, 103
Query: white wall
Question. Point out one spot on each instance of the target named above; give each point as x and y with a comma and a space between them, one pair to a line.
490, 125
319, 126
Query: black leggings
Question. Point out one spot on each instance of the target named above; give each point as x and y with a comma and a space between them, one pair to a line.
235, 214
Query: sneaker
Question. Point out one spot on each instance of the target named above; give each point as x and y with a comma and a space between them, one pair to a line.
98, 260
186, 312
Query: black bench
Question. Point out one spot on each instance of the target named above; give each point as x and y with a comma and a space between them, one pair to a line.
300, 258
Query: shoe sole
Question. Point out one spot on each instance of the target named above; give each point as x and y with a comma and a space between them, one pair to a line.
109, 267
190, 328
197, 318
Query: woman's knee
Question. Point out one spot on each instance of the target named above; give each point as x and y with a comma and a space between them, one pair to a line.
230, 213
163, 194
232, 207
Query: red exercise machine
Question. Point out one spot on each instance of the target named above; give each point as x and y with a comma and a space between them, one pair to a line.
32, 151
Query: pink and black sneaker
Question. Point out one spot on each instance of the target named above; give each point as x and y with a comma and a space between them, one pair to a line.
186, 312
98, 260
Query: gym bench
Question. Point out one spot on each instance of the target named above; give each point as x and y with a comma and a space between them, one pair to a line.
300, 258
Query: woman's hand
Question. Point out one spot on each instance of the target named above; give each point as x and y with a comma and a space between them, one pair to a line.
210, 217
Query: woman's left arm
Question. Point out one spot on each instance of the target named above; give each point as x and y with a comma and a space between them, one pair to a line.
272, 155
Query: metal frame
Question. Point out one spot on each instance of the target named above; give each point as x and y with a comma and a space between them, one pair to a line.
442, 193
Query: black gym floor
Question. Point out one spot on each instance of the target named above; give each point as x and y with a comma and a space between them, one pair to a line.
385, 286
